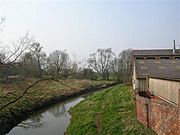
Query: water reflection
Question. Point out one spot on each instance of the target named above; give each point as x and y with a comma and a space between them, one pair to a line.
52, 121
58, 111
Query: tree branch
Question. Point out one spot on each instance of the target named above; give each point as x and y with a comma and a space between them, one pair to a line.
26, 89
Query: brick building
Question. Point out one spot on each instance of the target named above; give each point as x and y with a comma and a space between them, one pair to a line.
156, 82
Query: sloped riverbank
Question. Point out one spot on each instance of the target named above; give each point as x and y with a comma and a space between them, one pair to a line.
52, 120
108, 112
43, 95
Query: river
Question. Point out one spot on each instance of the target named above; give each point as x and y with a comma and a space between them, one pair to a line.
50, 121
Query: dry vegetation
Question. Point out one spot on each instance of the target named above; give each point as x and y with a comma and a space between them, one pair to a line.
41, 92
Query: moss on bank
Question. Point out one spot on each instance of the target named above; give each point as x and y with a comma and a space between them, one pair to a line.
40, 95
109, 112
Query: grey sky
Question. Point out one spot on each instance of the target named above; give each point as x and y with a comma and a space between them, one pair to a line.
81, 27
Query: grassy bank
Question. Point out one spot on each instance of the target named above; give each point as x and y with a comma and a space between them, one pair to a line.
41, 93
109, 112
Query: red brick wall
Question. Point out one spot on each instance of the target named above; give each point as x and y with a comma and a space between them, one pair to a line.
141, 110
163, 117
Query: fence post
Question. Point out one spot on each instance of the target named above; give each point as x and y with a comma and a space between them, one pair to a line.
179, 98
147, 83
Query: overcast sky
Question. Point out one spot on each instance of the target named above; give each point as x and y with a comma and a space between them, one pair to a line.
81, 27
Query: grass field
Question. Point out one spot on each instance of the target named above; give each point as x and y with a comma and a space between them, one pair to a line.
109, 112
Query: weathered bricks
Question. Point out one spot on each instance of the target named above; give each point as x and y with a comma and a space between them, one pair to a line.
163, 117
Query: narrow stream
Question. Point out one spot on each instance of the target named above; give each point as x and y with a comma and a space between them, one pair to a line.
50, 121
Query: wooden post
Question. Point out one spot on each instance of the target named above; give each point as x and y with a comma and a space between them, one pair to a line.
147, 83
179, 98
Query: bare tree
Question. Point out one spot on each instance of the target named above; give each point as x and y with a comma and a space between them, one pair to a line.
124, 65
100, 62
2, 51
58, 62
29, 66
2, 22
26, 90
114, 69
2, 55
10, 55
39, 56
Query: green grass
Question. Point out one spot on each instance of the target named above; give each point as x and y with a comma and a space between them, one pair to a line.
110, 111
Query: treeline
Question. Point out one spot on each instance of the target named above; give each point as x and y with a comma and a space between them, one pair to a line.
29, 61
26, 59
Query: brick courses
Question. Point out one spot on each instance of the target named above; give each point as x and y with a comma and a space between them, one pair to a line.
159, 115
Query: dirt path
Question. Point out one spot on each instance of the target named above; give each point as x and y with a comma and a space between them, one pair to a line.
98, 124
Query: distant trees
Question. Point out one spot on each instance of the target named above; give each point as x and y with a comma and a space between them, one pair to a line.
9, 56
27, 58
33, 62
28, 66
89, 74
100, 62
121, 66
108, 66
58, 63
39, 57
125, 65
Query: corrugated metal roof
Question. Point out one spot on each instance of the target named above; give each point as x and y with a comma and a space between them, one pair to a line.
158, 68
155, 52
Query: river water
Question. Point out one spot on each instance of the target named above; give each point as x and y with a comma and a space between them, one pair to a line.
50, 121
